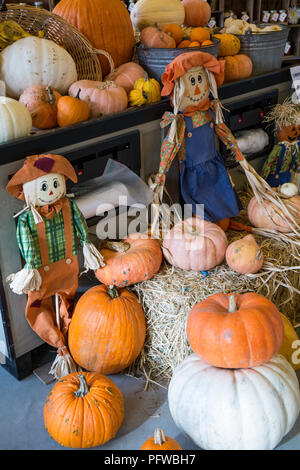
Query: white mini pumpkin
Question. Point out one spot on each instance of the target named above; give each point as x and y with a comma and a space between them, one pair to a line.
36, 61
235, 409
15, 119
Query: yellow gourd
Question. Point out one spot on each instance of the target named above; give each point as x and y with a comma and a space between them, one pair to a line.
229, 44
290, 336
137, 98
150, 87
10, 31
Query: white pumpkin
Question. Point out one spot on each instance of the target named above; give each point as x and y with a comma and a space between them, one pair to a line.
15, 119
36, 61
156, 12
235, 409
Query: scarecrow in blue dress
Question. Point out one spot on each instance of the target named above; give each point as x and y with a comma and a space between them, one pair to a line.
196, 121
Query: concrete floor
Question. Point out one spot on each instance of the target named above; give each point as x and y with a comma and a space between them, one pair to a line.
22, 425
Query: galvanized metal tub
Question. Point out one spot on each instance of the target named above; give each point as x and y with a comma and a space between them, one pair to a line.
266, 50
155, 60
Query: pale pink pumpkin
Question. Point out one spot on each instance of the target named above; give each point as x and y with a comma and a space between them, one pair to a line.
101, 97
245, 256
274, 219
195, 245
126, 75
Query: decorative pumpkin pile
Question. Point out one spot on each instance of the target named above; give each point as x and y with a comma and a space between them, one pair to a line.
220, 395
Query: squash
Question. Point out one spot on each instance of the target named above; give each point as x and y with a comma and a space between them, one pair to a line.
195, 245
41, 101
229, 44
153, 37
15, 119
101, 97
237, 67
234, 409
197, 12
267, 215
137, 98
235, 330
10, 32
150, 88
71, 110
195, 44
84, 410
156, 13
290, 344
126, 75
183, 44
107, 330
175, 31
136, 259
245, 256
106, 24
36, 61
200, 34
160, 442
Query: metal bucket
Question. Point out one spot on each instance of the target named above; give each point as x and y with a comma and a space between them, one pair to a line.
266, 50
155, 60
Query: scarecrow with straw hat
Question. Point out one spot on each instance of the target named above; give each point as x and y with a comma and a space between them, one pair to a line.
46, 234
189, 80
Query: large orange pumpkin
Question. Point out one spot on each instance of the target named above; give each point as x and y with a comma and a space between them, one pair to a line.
41, 102
134, 260
197, 12
106, 24
83, 410
269, 216
160, 442
108, 329
235, 330
237, 67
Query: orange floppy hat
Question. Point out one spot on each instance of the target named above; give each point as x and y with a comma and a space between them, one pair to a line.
36, 166
184, 62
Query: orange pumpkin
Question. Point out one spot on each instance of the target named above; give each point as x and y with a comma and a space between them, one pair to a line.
106, 24
245, 256
126, 75
184, 44
269, 216
197, 12
83, 410
153, 37
207, 43
237, 67
108, 329
175, 31
195, 44
101, 97
235, 330
160, 442
41, 102
71, 110
138, 258
200, 35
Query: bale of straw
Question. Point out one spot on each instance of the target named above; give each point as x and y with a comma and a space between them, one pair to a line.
168, 297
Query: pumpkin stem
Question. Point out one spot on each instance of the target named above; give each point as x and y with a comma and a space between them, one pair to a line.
113, 292
50, 95
83, 387
78, 94
232, 304
120, 247
159, 437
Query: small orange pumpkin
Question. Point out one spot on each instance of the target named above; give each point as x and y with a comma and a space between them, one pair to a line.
41, 102
195, 44
160, 442
153, 37
84, 410
200, 34
71, 110
245, 256
207, 43
184, 44
197, 12
134, 260
235, 330
175, 31
108, 329
237, 67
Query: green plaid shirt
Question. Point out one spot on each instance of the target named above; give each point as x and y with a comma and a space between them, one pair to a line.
28, 242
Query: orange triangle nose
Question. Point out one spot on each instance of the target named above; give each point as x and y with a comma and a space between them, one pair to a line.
197, 90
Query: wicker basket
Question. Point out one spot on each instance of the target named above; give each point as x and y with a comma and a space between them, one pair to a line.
62, 33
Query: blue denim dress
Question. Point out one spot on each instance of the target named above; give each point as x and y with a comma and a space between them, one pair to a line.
204, 178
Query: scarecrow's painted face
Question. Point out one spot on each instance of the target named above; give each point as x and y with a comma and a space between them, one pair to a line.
196, 87
49, 188
289, 133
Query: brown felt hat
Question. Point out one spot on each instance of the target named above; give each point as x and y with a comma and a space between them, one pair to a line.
36, 166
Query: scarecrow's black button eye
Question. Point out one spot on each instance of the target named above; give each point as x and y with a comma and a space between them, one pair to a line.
199, 79
56, 184
193, 81
44, 187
